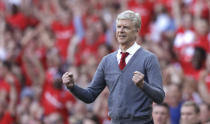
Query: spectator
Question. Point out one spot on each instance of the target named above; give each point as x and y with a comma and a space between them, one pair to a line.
91, 119
7, 107
190, 90
204, 112
190, 113
175, 101
204, 84
54, 118
160, 113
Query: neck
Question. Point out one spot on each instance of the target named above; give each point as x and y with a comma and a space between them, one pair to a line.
124, 47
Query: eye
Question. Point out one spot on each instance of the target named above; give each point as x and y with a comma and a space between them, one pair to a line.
118, 26
126, 27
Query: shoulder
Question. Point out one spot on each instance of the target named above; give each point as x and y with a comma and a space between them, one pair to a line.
149, 57
108, 58
146, 53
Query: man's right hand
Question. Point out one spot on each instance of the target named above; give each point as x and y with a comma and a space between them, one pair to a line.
68, 79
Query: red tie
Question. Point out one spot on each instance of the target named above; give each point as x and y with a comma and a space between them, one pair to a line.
122, 60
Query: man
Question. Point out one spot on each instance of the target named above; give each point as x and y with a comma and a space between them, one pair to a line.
160, 113
175, 101
190, 113
134, 82
91, 119
54, 118
204, 112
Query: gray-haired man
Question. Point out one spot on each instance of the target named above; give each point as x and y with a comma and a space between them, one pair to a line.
132, 75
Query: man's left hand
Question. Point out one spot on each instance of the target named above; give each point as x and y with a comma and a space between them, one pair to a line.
138, 79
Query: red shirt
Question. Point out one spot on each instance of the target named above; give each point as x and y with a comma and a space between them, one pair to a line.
145, 10
18, 20
203, 42
85, 49
54, 100
2, 6
185, 42
207, 80
40, 52
63, 34
204, 7
189, 70
7, 119
4, 85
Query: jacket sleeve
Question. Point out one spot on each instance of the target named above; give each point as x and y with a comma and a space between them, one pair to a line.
89, 94
153, 87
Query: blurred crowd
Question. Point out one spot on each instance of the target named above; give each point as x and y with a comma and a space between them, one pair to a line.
42, 39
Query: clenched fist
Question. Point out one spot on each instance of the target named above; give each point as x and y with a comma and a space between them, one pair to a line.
138, 79
68, 79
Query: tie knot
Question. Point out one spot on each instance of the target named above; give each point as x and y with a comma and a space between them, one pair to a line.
122, 60
124, 54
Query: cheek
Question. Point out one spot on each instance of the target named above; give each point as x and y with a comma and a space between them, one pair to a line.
164, 117
117, 30
183, 116
116, 33
131, 34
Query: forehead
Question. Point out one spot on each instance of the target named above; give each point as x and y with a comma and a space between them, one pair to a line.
189, 109
160, 108
126, 22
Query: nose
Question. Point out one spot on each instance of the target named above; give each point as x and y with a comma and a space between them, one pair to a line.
121, 29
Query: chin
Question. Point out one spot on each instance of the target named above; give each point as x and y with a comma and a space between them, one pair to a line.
122, 41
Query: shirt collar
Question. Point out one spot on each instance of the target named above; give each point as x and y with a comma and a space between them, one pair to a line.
132, 49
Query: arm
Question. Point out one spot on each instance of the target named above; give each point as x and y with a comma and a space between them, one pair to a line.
31, 63
2, 30
72, 48
176, 10
202, 89
153, 88
12, 94
28, 36
45, 16
26, 7
89, 94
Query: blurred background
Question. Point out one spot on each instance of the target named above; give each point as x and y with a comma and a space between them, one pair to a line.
42, 39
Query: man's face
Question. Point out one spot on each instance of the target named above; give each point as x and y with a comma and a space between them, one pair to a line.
174, 95
188, 115
160, 114
204, 112
125, 32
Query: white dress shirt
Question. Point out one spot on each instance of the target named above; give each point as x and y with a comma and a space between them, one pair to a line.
132, 50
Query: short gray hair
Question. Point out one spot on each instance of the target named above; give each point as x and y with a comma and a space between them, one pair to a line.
130, 15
